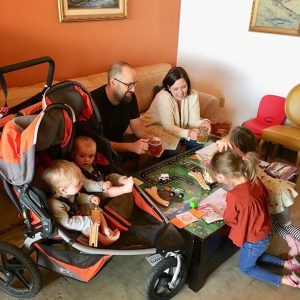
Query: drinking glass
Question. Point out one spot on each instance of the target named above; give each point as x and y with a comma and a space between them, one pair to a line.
155, 146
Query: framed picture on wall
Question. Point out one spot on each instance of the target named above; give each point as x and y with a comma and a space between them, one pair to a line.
90, 10
276, 16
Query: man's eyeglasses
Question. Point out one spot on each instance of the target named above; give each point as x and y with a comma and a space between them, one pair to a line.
129, 85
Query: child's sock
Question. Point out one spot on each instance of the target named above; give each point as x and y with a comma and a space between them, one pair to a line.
293, 231
298, 246
291, 241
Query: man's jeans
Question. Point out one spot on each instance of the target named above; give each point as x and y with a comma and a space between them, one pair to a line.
253, 253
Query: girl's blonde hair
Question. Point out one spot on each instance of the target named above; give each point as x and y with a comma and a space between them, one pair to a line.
62, 174
232, 164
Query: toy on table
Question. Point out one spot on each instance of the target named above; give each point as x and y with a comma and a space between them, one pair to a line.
194, 204
153, 193
163, 178
177, 192
93, 241
198, 176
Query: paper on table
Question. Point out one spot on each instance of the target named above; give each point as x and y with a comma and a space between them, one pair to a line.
209, 213
186, 218
217, 200
205, 154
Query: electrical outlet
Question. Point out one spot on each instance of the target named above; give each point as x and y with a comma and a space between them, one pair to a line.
222, 102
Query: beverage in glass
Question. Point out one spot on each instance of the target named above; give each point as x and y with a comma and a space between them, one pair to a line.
155, 146
202, 135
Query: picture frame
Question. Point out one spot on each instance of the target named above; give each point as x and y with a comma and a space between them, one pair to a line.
91, 10
275, 17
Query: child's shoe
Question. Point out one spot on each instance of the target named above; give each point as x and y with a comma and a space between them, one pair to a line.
293, 264
293, 280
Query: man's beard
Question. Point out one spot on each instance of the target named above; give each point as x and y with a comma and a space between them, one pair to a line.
125, 98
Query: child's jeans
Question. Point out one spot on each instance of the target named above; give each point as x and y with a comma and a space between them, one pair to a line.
252, 253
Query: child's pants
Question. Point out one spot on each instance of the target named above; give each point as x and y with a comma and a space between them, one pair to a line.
252, 253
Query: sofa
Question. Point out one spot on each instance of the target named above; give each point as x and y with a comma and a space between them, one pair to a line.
148, 78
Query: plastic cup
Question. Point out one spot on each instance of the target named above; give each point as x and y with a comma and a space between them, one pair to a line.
202, 135
155, 146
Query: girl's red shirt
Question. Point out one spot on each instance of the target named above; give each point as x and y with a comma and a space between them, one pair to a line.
247, 212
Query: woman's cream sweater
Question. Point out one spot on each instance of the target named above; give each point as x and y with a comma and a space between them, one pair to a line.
163, 118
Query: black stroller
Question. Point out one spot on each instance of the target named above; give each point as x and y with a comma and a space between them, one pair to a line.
45, 126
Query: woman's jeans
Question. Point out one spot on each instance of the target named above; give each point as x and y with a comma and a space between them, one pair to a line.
252, 253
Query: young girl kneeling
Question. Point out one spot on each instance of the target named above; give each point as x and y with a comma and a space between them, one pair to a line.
247, 215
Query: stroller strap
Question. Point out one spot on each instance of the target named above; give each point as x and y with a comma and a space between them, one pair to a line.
74, 211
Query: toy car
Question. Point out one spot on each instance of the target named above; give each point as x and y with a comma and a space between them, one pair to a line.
177, 192
164, 178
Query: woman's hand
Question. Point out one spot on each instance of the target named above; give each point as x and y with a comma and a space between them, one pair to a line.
193, 134
206, 123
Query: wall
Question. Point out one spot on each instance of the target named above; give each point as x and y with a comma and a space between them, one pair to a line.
224, 58
30, 29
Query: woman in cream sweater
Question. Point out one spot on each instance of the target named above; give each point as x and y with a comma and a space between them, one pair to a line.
174, 114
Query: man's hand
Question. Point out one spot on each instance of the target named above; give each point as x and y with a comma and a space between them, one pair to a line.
95, 200
140, 146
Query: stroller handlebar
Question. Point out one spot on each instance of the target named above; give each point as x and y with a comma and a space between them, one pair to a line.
91, 250
31, 63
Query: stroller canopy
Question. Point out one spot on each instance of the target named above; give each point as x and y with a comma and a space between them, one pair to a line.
64, 103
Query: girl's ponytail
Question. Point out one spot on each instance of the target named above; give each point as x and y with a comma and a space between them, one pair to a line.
234, 164
250, 161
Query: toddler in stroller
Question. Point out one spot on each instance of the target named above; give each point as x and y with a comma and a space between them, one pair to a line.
84, 154
52, 130
65, 180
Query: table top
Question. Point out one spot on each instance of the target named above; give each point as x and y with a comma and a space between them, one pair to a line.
180, 182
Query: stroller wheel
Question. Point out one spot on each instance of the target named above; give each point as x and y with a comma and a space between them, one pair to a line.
19, 276
158, 281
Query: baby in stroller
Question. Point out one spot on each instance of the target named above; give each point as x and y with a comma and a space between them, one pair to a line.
65, 181
117, 189
83, 154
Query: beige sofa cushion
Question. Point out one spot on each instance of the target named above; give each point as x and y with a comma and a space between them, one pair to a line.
17, 95
148, 77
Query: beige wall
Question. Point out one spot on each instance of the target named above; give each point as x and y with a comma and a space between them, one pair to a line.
31, 28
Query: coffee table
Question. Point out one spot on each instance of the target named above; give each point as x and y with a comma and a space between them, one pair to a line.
208, 245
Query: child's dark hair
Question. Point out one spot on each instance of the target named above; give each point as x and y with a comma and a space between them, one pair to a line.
244, 139
232, 164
